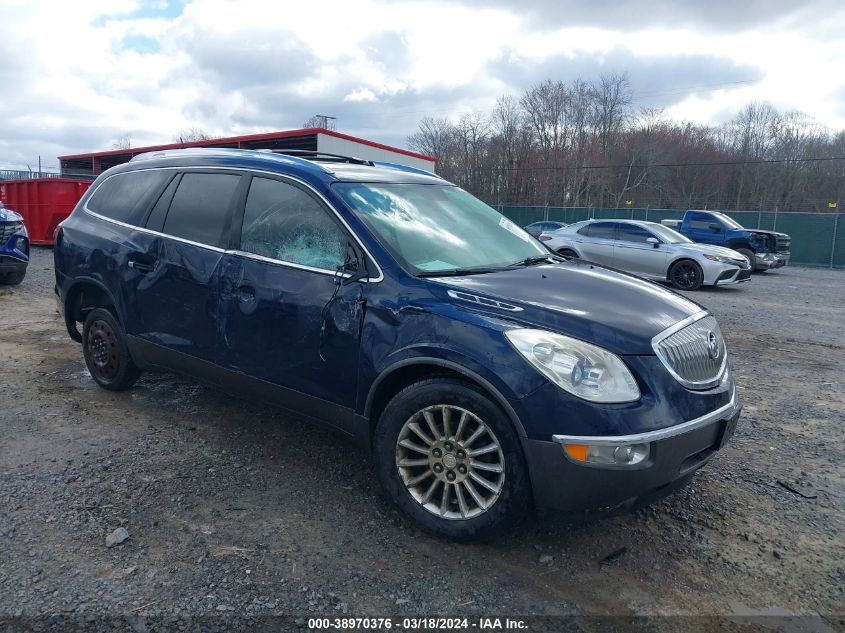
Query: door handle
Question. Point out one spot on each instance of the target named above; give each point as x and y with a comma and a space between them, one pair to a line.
140, 266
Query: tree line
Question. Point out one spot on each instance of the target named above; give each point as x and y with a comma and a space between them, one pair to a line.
585, 144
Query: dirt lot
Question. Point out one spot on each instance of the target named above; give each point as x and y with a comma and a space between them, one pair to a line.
238, 509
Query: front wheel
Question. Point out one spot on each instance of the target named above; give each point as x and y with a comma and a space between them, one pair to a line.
686, 275
13, 278
748, 255
105, 351
450, 459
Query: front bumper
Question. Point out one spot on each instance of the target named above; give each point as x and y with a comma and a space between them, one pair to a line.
675, 453
733, 276
766, 261
11, 264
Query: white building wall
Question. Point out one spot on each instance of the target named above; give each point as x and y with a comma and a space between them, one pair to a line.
335, 145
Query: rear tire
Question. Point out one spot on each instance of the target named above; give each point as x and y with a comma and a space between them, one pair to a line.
749, 256
427, 456
14, 278
106, 354
568, 252
686, 275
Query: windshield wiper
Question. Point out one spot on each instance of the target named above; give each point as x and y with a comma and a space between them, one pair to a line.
537, 259
458, 272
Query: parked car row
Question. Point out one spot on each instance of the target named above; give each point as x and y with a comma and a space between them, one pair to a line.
708, 247
650, 250
483, 373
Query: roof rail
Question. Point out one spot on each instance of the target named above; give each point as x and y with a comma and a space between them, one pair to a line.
307, 153
407, 168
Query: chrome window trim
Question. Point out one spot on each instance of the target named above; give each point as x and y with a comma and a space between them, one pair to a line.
277, 176
680, 325
725, 411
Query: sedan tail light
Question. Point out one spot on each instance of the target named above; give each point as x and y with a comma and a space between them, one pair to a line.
545, 238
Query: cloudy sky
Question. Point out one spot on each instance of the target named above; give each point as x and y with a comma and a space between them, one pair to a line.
75, 76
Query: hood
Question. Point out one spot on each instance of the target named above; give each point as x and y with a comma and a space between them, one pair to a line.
615, 310
762, 232
7, 215
709, 249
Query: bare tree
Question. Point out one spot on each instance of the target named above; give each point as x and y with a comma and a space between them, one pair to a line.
321, 121
124, 141
192, 134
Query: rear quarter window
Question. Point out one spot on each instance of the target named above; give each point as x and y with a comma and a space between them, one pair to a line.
124, 197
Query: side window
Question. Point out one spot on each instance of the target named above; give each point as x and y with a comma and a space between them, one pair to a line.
124, 197
585, 230
283, 222
633, 233
701, 221
200, 208
603, 230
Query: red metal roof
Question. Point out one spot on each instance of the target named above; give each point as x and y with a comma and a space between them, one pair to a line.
249, 137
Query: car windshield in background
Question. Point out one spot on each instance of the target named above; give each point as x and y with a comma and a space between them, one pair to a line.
439, 229
670, 236
728, 221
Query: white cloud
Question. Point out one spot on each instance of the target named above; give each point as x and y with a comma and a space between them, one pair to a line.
77, 75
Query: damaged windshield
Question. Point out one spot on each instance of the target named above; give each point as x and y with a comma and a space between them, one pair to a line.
436, 229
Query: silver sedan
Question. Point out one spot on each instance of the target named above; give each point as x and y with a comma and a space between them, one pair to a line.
650, 250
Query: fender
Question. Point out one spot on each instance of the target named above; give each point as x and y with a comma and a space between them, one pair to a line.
70, 323
447, 364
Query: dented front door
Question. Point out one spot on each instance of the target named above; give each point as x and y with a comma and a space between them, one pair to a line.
293, 328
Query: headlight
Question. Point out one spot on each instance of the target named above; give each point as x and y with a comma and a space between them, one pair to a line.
719, 258
582, 369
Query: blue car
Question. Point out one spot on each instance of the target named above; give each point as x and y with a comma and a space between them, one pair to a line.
485, 374
14, 247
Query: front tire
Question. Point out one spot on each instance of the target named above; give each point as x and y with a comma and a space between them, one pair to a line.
686, 275
106, 354
13, 278
449, 458
749, 256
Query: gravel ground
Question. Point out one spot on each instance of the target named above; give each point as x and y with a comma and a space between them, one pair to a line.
237, 509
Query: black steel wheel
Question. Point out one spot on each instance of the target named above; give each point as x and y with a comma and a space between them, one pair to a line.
449, 458
105, 352
686, 275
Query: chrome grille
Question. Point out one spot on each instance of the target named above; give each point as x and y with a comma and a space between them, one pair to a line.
694, 353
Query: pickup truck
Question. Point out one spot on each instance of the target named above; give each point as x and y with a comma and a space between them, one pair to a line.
762, 249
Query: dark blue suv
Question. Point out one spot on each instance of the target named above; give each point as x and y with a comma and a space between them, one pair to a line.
14, 247
484, 373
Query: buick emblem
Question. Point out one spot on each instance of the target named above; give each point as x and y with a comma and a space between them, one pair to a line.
712, 345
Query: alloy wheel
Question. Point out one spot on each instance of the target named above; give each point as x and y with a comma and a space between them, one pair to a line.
450, 462
685, 275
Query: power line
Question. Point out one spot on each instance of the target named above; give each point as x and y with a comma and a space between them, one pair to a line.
702, 164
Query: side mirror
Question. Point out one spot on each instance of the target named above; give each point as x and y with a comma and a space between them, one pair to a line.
655, 243
715, 227
354, 265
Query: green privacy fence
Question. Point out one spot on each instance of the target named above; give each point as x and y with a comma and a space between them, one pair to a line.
818, 239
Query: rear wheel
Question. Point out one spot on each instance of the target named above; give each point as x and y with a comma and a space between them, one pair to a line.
686, 275
105, 351
568, 252
450, 459
13, 278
